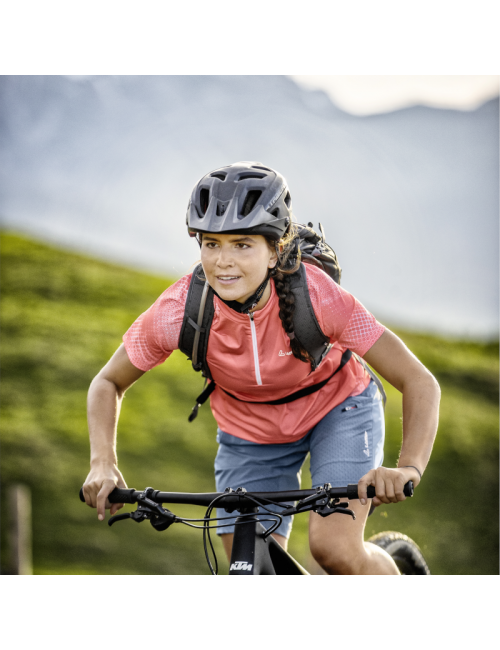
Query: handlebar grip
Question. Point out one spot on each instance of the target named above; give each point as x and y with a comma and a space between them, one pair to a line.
118, 495
352, 490
122, 495
408, 489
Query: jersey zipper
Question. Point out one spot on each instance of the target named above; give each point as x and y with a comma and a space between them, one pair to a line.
255, 350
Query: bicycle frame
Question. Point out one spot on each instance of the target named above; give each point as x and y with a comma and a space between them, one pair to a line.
254, 554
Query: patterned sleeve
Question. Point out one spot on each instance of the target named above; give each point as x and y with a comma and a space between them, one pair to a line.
340, 314
155, 334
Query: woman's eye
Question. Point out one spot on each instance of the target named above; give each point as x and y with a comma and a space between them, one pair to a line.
241, 245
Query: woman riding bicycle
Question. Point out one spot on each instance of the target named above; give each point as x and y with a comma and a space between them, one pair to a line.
249, 256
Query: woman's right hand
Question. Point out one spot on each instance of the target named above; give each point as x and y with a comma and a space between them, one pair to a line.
102, 480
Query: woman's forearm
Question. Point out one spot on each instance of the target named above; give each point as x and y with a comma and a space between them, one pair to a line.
421, 396
103, 409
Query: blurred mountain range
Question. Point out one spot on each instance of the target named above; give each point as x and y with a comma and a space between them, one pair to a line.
409, 199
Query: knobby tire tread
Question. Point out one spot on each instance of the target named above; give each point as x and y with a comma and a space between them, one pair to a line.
404, 551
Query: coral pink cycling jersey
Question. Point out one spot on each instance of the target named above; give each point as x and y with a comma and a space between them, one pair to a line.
253, 360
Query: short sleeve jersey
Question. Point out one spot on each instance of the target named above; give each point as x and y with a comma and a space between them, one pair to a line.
254, 361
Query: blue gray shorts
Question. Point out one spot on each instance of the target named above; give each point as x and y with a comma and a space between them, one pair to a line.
346, 444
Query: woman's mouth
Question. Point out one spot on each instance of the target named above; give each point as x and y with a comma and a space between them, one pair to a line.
227, 279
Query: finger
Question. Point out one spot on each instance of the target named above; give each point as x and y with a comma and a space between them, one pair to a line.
380, 488
90, 493
399, 485
102, 499
389, 490
363, 484
87, 496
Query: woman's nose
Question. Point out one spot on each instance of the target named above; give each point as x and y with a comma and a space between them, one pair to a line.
225, 258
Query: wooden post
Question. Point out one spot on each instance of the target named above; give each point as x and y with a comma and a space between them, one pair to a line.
19, 499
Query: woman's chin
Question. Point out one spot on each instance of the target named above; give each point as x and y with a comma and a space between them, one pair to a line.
228, 291
227, 294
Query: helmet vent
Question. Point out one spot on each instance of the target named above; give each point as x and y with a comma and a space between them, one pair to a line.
243, 177
204, 199
220, 209
288, 199
219, 175
250, 200
276, 213
264, 168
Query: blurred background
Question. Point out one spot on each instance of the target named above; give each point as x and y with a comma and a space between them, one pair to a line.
96, 173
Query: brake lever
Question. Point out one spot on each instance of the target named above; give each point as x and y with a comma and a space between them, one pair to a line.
319, 498
125, 515
138, 516
160, 518
309, 503
331, 508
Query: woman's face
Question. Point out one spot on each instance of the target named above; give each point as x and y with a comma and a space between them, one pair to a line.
236, 265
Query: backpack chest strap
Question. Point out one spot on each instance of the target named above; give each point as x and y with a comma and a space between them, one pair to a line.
299, 393
209, 389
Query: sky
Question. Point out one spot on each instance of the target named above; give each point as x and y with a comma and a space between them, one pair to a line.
367, 94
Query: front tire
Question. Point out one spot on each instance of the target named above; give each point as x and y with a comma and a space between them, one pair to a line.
403, 550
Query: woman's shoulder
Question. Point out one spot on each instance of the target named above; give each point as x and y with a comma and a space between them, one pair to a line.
332, 304
153, 336
314, 273
320, 283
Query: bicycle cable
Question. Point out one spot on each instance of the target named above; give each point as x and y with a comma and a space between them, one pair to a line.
277, 519
206, 533
186, 523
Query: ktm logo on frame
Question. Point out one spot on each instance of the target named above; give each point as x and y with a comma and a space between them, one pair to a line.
241, 566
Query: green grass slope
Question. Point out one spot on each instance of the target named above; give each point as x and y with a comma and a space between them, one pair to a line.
63, 316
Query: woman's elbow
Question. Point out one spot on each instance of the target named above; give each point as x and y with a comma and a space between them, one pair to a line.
430, 385
103, 385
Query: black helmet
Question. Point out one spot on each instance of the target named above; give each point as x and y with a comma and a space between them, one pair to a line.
245, 197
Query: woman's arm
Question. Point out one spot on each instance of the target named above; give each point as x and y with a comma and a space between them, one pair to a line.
390, 357
103, 409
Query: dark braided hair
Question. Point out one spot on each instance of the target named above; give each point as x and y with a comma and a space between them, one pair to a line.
288, 264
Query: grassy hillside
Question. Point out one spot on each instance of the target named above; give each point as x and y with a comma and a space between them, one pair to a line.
63, 316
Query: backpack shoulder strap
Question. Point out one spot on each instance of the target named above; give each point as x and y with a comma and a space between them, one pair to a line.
198, 316
375, 378
305, 324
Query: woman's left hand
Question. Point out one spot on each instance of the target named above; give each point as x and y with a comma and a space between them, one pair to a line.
388, 483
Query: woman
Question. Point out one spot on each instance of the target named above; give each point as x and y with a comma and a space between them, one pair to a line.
242, 218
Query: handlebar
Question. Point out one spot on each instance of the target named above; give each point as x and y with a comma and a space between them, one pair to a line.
228, 499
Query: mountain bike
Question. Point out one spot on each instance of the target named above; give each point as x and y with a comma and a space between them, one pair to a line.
255, 551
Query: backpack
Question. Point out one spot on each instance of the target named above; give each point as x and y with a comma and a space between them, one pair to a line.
199, 312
